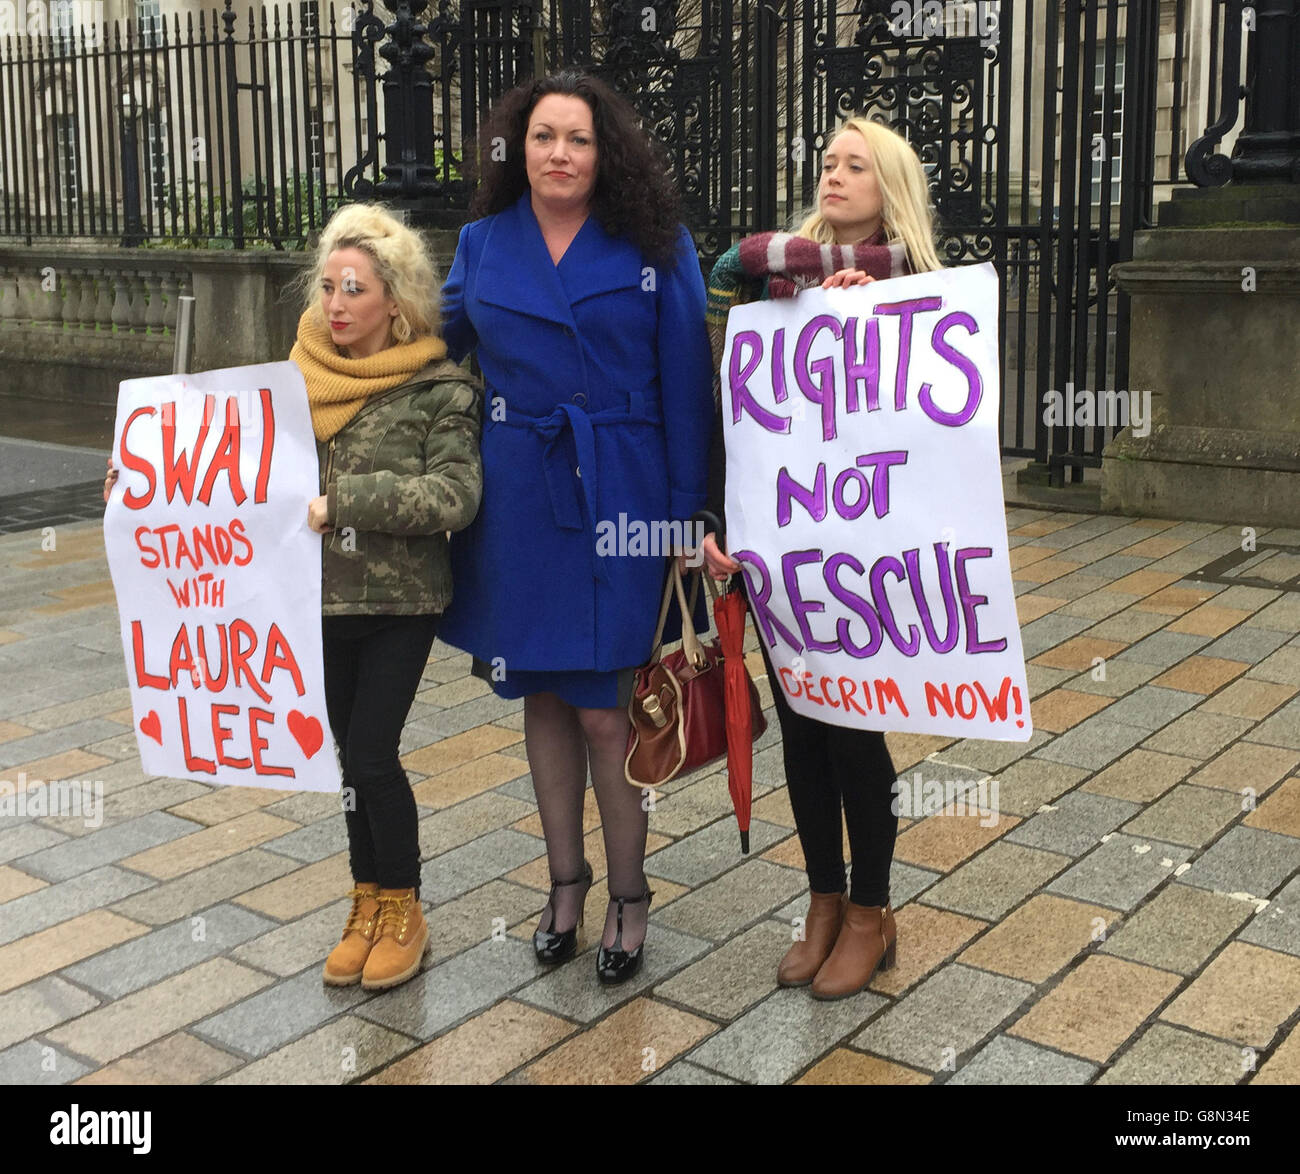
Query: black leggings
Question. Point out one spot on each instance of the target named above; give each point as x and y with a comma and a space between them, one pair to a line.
829, 768
373, 666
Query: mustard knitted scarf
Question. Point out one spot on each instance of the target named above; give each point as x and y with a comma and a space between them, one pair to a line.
338, 387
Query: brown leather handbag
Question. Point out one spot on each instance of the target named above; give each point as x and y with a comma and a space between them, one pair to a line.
678, 706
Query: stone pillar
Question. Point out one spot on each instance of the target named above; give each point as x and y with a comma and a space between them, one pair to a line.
1215, 312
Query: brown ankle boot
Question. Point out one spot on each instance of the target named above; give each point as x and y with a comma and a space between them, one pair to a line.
344, 965
400, 940
822, 926
868, 939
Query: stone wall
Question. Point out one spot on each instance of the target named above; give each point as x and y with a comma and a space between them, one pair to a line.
76, 320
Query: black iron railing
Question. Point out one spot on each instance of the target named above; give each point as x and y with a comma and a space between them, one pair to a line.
1048, 131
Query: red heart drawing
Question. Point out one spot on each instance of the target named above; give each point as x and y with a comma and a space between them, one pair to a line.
151, 727
306, 732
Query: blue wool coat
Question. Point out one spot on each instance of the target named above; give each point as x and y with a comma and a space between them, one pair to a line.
598, 402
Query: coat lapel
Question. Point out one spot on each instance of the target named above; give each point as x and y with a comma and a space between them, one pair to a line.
597, 263
516, 271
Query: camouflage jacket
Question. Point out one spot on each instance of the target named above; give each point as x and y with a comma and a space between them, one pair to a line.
398, 476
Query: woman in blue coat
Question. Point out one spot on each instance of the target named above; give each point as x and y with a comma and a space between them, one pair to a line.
584, 300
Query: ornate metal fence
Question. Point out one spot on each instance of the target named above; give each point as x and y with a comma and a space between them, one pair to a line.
1041, 125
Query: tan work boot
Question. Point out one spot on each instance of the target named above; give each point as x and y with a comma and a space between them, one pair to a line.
344, 965
400, 942
868, 939
820, 929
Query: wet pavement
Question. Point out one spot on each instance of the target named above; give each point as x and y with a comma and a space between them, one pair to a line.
1130, 913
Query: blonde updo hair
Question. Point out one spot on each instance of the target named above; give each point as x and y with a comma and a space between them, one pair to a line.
906, 213
401, 260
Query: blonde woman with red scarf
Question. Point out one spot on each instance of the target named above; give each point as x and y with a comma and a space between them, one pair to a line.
872, 222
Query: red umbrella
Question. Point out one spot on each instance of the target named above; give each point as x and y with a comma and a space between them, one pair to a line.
744, 719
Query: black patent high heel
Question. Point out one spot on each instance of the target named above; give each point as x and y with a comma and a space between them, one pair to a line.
550, 946
615, 964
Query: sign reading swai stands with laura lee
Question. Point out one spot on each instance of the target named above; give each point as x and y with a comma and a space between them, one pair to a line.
217, 577
864, 503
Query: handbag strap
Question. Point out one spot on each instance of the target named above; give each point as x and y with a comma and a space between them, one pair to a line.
690, 640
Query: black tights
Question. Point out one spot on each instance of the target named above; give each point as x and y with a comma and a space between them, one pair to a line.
829, 769
373, 666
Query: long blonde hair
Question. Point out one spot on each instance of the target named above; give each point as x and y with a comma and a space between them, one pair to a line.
906, 212
401, 260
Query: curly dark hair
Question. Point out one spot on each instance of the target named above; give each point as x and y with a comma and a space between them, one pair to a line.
634, 197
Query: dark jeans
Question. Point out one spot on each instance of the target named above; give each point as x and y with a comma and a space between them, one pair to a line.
829, 768
372, 670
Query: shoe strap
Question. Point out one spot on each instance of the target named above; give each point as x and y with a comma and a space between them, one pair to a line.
618, 936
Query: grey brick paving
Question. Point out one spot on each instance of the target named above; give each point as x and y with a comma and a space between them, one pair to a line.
146, 960
34, 1062
726, 982
1282, 729
287, 949
783, 1035
475, 863
343, 1051
1152, 706
1075, 823
710, 852
314, 842
572, 990
18, 839
1187, 814
1168, 1055
436, 999
1093, 743
1165, 649
42, 745
67, 899
1122, 677
304, 807
453, 826
719, 908
204, 887
1182, 869
1052, 629
1179, 929
1007, 1060
995, 881
1198, 734
34, 1008
107, 847
267, 1020
1247, 644
987, 757
953, 1009
1120, 872
1277, 927
1245, 860
684, 1072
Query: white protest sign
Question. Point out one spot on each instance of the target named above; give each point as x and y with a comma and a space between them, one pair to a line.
864, 503
218, 577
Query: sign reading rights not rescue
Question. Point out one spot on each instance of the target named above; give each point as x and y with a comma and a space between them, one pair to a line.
217, 577
864, 503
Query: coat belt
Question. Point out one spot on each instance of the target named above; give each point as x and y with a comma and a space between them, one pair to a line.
563, 483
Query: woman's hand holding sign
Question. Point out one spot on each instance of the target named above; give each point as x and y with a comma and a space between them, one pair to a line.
843, 278
317, 515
